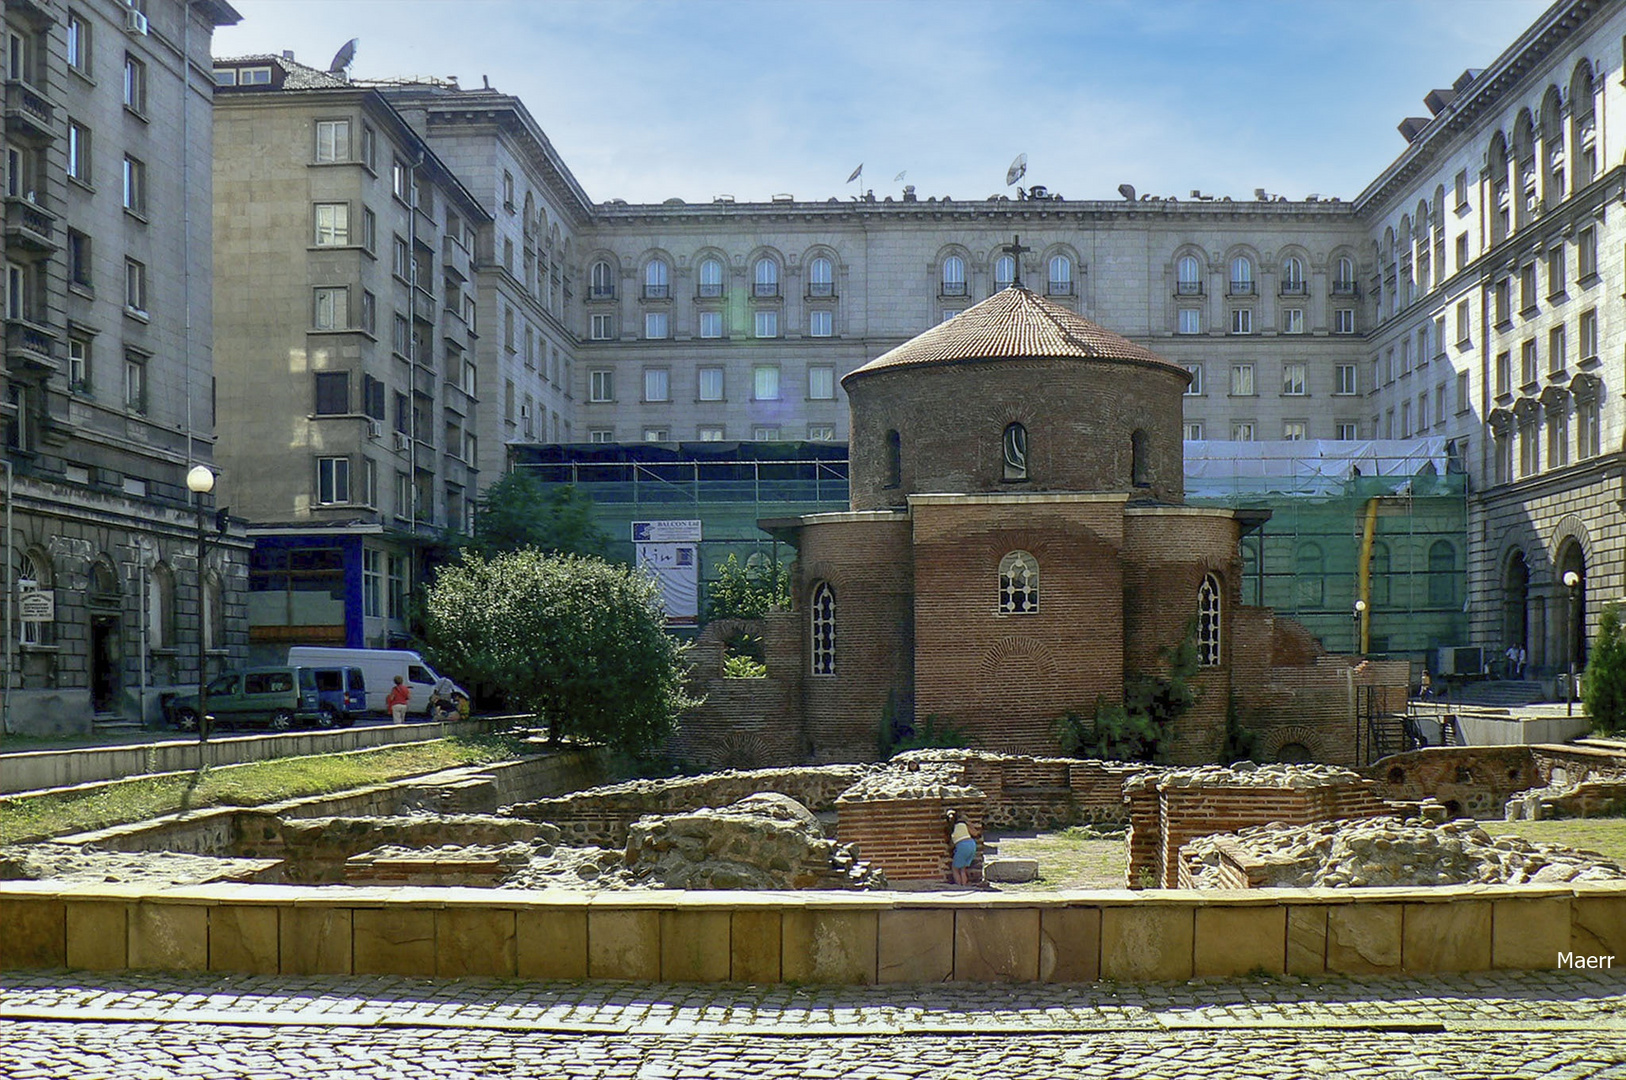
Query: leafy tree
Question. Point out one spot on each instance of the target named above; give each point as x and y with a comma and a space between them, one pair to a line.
747, 590
580, 642
520, 511
1138, 728
1603, 685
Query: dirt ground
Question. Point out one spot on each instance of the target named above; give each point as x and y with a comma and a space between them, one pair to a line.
1083, 857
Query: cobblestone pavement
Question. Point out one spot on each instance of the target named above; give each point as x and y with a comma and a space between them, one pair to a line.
159, 1026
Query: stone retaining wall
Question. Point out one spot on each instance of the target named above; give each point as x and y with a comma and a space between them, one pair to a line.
847, 938
1478, 781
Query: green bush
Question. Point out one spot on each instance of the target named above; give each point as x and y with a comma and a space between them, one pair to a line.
1139, 727
747, 590
934, 733
1603, 685
744, 667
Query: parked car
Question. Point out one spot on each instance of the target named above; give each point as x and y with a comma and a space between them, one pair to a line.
379, 667
342, 692
281, 698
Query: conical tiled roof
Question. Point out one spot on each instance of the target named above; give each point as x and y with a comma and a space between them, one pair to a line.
1013, 323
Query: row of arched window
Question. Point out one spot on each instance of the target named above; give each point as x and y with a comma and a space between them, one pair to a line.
1189, 275
158, 605
711, 277
1018, 595
1310, 575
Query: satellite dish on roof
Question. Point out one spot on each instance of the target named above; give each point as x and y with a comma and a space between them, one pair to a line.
1018, 169
344, 57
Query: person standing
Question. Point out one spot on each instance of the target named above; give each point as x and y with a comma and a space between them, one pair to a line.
400, 697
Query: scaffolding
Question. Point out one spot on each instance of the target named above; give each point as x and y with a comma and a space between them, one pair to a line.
1379, 522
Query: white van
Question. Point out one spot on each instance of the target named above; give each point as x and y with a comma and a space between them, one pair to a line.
379, 667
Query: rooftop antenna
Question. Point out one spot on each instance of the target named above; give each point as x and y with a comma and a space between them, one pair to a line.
1018, 169
344, 57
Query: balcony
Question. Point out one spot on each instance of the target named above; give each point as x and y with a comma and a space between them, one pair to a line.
454, 259
657, 292
1188, 288
952, 288
601, 292
29, 114
30, 226
709, 290
765, 289
1343, 288
29, 347
1295, 288
1242, 288
423, 306
1059, 288
822, 290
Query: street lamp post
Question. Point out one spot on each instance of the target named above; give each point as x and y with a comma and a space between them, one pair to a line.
1572, 582
1358, 617
200, 481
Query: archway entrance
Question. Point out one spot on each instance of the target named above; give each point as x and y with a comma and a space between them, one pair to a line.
1572, 600
104, 662
1515, 604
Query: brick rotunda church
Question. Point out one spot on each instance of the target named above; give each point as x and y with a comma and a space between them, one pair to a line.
1017, 543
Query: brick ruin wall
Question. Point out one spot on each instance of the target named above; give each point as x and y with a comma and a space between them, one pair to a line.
743, 723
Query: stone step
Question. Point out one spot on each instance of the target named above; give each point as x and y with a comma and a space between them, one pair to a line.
1597, 742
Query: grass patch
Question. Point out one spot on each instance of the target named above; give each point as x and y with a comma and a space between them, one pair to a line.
254, 784
1080, 857
1606, 836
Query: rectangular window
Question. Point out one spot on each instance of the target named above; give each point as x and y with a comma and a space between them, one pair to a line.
1503, 302
1557, 276
78, 151
1293, 380
821, 382
1439, 337
331, 308
821, 432
135, 382
369, 148
401, 259
135, 85
398, 179
655, 325
135, 185
1463, 384
601, 435
1460, 190
1292, 320
1422, 412
332, 140
1504, 374
1192, 431
1589, 335
78, 364
710, 432
1242, 380
332, 480
767, 324
135, 286
1529, 450
601, 328
1465, 325
1557, 350
1589, 429
1558, 438
765, 382
711, 324
601, 385
401, 338
657, 434
79, 264
765, 433
1345, 379
1242, 321
332, 393
1243, 431
1347, 429
372, 583
1462, 251
1586, 254
1528, 373
78, 43
1195, 387
1527, 288
1191, 321
332, 224
657, 384
1295, 430
711, 384
1405, 419
369, 312
820, 323
1343, 321
372, 397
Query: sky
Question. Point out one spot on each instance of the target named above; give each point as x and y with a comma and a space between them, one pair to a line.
692, 99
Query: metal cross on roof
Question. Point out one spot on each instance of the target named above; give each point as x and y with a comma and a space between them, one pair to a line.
1015, 249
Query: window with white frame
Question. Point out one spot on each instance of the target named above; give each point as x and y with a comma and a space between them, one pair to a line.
1195, 387
1208, 621
1589, 431
1422, 412
1190, 321
1345, 379
1528, 363
135, 286
135, 185
78, 364
1242, 384
765, 382
822, 629
332, 480
135, 382
79, 151
332, 224
1004, 272
1293, 379
1586, 254
767, 324
1295, 430
601, 385
656, 325
331, 308
1557, 275
657, 280
821, 382
657, 384
711, 277
601, 435
765, 433
711, 324
1343, 320
1293, 276
372, 583
1465, 325
1242, 276
820, 323
1344, 282
821, 432
1188, 276
953, 283
78, 51
710, 384
601, 327
710, 432
1242, 320
1018, 584
333, 140
1589, 335
1061, 276
1192, 431
1244, 431
135, 85
765, 280
1292, 320
657, 434
602, 281
1347, 430
1557, 350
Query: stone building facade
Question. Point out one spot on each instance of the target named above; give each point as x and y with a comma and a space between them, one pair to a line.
347, 317
107, 373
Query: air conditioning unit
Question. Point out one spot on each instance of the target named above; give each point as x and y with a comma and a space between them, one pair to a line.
375, 429
403, 441
134, 22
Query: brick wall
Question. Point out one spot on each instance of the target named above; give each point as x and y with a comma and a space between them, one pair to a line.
905, 838
1311, 705
744, 723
